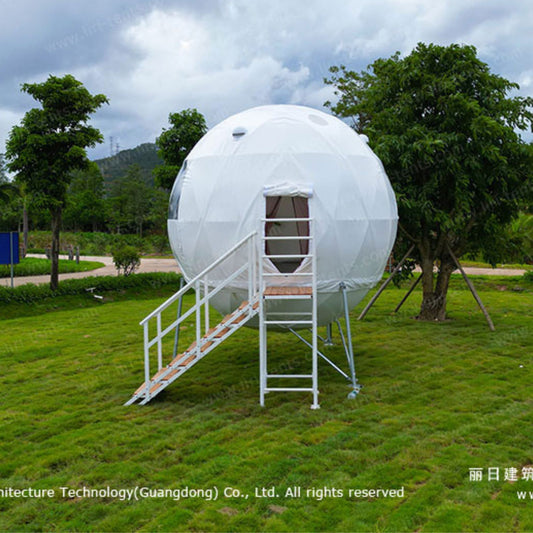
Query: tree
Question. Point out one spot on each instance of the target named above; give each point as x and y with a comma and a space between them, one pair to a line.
445, 129
175, 143
130, 201
7, 189
50, 144
3, 175
85, 200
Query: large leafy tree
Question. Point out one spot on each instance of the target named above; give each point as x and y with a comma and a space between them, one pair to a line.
446, 130
186, 128
50, 144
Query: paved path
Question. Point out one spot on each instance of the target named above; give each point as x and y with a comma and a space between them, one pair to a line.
149, 264
478, 271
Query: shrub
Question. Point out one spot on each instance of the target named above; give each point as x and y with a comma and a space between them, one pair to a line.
126, 259
31, 293
528, 275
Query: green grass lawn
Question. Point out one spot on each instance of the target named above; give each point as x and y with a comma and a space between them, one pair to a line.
481, 264
438, 399
34, 266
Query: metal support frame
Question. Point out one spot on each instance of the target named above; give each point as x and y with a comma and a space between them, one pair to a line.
178, 316
328, 341
320, 354
411, 289
384, 285
348, 346
472, 290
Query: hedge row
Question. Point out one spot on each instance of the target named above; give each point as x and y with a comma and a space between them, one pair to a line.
99, 243
31, 293
34, 266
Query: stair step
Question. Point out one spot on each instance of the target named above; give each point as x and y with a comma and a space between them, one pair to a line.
206, 346
172, 373
188, 360
221, 333
158, 374
239, 319
156, 387
140, 389
177, 359
288, 291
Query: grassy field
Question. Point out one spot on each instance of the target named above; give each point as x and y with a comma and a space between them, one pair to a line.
33, 266
438, 399
481, 264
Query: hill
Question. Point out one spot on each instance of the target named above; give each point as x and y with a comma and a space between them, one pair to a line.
144, 155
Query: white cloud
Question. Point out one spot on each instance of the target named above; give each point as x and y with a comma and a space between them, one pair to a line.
8, 119
223, 57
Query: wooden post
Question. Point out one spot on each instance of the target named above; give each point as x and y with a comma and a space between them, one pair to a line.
412, 288
387, 281
472, 290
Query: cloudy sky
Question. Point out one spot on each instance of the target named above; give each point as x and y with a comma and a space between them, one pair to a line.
153, 57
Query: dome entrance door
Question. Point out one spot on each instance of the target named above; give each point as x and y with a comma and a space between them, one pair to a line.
280, 212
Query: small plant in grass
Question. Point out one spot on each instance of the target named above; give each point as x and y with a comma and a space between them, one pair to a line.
127, 260
528, 275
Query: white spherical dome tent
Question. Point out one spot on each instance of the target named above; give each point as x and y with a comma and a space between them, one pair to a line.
281, 218
289, 160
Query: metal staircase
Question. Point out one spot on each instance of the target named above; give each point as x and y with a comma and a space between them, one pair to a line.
296, 285
263, 290
211, 337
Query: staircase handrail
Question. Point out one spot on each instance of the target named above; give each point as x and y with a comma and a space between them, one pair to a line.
194, 280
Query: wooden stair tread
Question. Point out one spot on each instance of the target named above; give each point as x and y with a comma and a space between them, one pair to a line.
206, 346
158, 374
187, 361
140, 389
156, 387
172, 373
177, 359
288, 291
239, 319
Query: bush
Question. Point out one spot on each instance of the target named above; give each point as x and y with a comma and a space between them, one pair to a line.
528, 275
126, 259
31, 293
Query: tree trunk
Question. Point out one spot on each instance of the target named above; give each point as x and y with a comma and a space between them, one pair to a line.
25, 228
56, 224
434, 294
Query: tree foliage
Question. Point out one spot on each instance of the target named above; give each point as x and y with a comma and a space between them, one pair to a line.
50, 144
7, 189
175, 143
85, 205
446, 131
